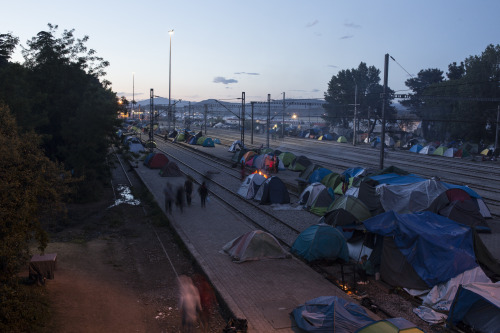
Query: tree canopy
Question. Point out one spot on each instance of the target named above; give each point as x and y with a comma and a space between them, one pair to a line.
464, 105
341, 96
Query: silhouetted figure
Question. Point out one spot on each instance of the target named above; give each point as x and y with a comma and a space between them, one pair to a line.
203, 191
188, 188
242, 170
207, 298
169, 197
179, 198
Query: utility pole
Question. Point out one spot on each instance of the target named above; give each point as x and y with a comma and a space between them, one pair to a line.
283, 119
251, 136
151, 110
355, 115
206, 111
242, 119
268, 122
496, 132
386, 72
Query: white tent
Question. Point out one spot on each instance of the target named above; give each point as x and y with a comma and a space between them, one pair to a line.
250, 185
427, 150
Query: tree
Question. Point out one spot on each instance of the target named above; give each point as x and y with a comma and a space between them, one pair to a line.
58, 93
341, 92
31, 189
7, 45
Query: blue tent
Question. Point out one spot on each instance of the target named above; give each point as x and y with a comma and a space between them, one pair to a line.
436, 247
416, 148
328, 137
478, 306
330, 314
318, 175
217, 141
320, 241
395, 179
208, 142
148, 158
193, 140
353, 172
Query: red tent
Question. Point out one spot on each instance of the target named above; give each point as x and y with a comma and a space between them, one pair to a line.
158, 161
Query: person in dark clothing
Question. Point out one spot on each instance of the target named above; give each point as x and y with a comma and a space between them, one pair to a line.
169, 197
203, 191
243, 171
188, 188
179, 198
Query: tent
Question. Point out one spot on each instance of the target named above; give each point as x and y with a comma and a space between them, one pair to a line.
236, 145
171, 169
316, 198
238, 155
250, 185
255, 245
478, 306
157, 161
436, 248
200, 140
193, 140
416, 148
319, 174
208, 142
272, 191
286, 158
259, 162
450, 152
217, 141
248, 156
180, 137
391, 325
342, 139
330, 314
328, 137
457, 205
306, 173
331, 180
300, 163
427, 150
353, 205
320, 242
439, 151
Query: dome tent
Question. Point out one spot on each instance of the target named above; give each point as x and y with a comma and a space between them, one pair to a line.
255, 245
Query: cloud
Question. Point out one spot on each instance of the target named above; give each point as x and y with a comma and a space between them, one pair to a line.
347, 37
315, 90
333, 66
312, 24
352, 25
223, 80
238, 73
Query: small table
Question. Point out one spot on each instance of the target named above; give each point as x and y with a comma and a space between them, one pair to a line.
42, 267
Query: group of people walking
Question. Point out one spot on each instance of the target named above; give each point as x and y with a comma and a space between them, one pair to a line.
181, 192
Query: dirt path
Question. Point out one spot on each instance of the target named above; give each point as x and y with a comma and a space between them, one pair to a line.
113, 276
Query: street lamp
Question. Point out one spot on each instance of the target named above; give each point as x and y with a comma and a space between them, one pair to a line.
170, 33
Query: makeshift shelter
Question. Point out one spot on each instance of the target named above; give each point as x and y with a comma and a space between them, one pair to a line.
249, 155
457, 205
423, 246
259, 162
156, 161
250, 185
462, 153
391, 325
450, 152
439, 151
255, 245
217, 141
416, 148
320, 242
306, 173
328, 137
316, 198
478, 306
342, 139
180, 137
330, 314
238, 155
319, 174
208, 142
427, 150
272, 191
287, 158
300, 163
353, 205
171, 169
331, 180
236, 145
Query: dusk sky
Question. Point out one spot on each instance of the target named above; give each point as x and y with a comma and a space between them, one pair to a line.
221, 48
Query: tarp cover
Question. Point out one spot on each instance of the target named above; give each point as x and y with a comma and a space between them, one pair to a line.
437, 248
330, 314
477, 305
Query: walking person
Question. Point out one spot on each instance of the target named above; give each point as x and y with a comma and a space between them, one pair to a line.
188, 188
203, 191
179, 198
189, 303
169, 197
207, 298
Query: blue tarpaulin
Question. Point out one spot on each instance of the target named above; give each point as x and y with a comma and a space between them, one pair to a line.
330, 314
436, 247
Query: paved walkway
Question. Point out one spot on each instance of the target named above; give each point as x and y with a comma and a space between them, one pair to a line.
263, 292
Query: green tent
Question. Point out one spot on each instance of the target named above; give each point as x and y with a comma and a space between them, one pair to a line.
331, 180
306, 173
300, 163
439, 151
287, 158
180, 137
266, 151
338, 189
342, 139
353, 205
391, 325
200, 140
322, 201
